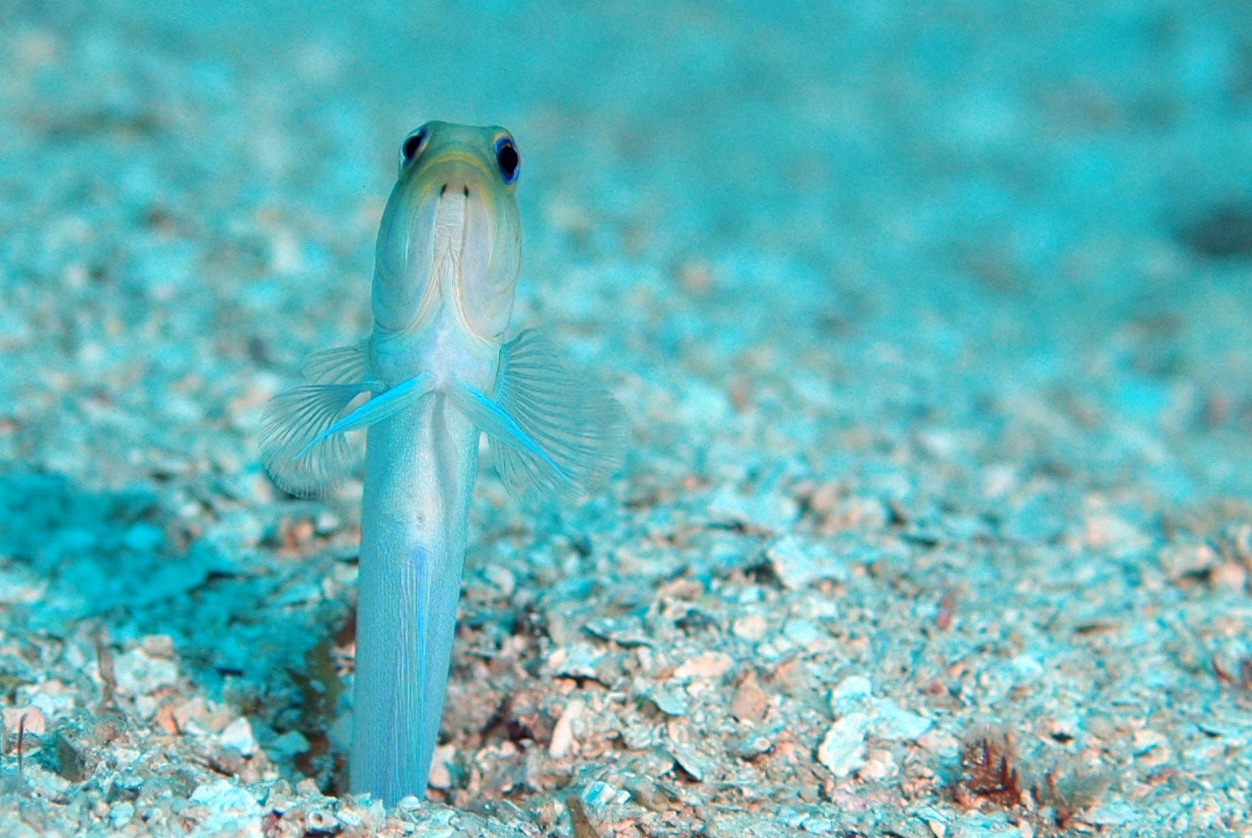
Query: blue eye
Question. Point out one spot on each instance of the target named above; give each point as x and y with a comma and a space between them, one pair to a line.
412, 145
507, 158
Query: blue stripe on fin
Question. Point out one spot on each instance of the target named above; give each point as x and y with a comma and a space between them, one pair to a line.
490, 417
385, 404
567, 414
290, 428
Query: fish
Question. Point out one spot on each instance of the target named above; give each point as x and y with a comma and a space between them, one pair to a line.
440, 367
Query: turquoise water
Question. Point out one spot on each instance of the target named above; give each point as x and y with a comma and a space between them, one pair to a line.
954, 296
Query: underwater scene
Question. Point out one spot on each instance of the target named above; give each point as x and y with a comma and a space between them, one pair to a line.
625, 420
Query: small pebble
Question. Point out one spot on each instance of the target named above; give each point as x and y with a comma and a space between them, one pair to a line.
120, 814
749, 704
843, 747
562, 732
238, 736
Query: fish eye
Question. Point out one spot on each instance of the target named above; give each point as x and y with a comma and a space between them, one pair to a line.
412, 145
507, 158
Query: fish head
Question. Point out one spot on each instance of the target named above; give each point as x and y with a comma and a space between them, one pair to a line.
450, 235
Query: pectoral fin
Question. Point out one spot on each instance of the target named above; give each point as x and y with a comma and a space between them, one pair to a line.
550, 430
302, 442
292, 420
500, 426
385, 404
339, 365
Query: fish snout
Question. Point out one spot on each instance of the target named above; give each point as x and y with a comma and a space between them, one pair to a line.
462, 186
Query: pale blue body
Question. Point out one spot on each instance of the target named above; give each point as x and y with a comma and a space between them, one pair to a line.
438, 373
420, 468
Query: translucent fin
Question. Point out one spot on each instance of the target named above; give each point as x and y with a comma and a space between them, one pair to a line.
340, 365
385, 404
575, 425
490, 417
292, 420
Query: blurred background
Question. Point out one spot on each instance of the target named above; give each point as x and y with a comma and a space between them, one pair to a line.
1065, 188
966, 285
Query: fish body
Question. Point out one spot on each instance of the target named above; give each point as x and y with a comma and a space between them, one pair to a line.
419, 475
436, 372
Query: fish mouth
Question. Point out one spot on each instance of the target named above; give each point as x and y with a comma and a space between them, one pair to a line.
455, 227
461, 187
451, 230
457, 171
447, 242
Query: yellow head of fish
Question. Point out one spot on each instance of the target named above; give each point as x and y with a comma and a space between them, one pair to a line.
450, 234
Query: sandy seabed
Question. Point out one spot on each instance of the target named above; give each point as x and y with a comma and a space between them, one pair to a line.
930, 322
